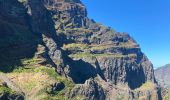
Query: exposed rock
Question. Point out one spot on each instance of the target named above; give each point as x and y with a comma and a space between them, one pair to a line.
8, 91
41, 18
66, 14
16, 40
57, 87
54, 53
88, 91
13, 11
7, 96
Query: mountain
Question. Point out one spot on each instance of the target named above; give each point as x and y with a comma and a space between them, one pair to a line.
162, 75
50, 49
163, 78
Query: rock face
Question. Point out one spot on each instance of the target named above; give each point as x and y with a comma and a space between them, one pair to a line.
12, 10
15, 36
99, 60
88, 91
6, 92
7, 96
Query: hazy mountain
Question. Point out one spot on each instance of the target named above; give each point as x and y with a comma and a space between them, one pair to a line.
162, 75
163, 78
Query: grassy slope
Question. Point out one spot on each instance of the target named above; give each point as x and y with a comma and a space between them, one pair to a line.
36, 81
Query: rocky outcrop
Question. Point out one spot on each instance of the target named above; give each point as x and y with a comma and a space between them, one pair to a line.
7, 96
125, 70
88, 91
56, 87
67, 13
8, 91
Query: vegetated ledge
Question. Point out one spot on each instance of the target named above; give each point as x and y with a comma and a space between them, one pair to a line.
81, 55
97, 47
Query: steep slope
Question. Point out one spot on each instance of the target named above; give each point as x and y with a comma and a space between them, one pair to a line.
16, 40
22, 34
101, 63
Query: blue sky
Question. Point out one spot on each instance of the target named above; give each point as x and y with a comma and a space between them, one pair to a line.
147, 21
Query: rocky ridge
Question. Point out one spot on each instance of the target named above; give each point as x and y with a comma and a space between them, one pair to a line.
97, 59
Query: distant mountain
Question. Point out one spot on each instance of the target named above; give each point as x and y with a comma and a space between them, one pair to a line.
162, 75
163, 78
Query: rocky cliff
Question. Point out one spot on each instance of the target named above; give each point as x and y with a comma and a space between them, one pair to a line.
102, 64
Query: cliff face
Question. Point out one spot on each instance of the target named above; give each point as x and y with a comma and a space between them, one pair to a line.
117, 54
16, 39
59, 34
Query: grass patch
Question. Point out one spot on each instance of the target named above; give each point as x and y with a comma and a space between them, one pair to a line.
92, 47
166, 97
7, 90
146, 86
35, 81
74, 46
80, 55
106, 46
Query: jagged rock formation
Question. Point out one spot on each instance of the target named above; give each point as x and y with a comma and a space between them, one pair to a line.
88, 91
60, 35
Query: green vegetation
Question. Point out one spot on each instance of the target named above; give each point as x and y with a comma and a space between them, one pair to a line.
7, 90
120, 97
78, 30
78, 97
146, 86
74, 46
30, 62
167, 97
80, 55
83, 47
36, 81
